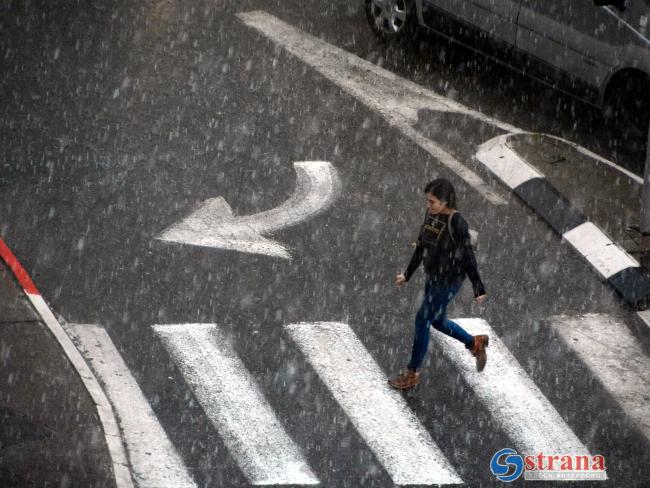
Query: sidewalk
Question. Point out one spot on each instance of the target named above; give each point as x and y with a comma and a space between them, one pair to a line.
50, 433
591, 202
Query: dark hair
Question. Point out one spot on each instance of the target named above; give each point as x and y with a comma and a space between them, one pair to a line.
443, 191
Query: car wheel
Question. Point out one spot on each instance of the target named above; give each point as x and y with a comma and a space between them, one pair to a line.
628, 107
391, 19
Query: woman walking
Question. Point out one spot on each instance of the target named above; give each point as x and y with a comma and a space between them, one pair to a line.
444, 245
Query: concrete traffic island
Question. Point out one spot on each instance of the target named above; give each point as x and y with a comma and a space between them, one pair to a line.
591, 202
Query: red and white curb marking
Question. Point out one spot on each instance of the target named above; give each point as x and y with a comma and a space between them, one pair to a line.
104, 409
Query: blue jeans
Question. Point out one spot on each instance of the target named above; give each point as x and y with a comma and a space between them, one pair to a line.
433, 311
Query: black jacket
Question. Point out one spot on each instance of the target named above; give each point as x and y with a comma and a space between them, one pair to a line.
447, 258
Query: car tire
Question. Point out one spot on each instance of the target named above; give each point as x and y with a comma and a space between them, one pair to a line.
627, 107
391, 19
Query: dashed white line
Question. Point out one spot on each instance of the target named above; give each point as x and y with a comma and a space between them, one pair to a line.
234, 404
379, 414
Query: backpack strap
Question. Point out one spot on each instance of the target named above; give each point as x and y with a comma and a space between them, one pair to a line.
449, 228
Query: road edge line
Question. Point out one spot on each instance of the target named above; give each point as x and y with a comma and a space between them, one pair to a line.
110, 426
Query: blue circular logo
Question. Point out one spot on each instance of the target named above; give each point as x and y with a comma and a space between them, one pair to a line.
502, 463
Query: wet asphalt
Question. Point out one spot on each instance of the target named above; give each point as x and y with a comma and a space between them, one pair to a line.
117, 119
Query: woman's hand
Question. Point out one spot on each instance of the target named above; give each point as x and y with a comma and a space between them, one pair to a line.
481, 299
400, 279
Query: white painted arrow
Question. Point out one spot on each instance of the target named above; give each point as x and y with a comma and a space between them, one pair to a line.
214, 225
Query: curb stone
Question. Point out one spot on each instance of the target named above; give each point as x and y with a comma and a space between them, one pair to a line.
110, 427
612, 263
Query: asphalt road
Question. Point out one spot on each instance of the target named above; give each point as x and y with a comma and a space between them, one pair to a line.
117, 121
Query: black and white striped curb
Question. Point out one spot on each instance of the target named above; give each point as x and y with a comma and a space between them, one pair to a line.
610, 261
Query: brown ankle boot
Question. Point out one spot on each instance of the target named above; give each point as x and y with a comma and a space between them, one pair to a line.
405, 380
478, 350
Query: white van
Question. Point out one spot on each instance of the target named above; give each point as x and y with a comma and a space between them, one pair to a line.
596, 50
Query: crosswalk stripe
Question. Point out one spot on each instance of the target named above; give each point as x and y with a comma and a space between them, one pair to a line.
379, 414
234, 404
513, 399
615, 356
154, 461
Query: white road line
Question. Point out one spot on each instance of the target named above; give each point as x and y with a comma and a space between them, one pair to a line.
396, 99
615, 356
597, 248
154, 461
214, 225
105, 411
513, 399
234, 404
379, 414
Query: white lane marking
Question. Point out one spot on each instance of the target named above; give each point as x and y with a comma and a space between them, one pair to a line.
394, 98
448, 160
398, 100
615, 356
104, 409
379, 414
214, 225
506, 163
234, 404
597, 248
154, 460
513, 399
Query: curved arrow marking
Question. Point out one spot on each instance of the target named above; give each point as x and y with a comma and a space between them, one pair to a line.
213, 224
